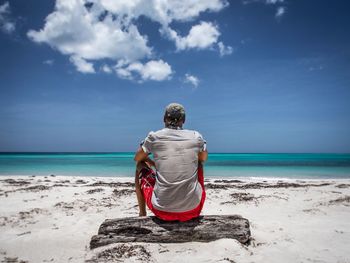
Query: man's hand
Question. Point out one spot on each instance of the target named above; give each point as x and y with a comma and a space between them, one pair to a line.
203, 156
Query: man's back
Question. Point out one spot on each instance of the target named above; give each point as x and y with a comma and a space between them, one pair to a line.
175, 153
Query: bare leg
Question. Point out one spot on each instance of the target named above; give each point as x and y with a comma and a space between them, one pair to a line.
139, 194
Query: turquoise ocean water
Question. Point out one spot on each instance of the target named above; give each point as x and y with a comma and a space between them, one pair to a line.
218, 165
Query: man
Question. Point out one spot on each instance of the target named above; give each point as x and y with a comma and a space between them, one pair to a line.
175, 190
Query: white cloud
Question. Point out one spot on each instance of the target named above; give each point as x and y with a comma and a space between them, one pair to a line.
280, 11
82, 65
4, 8
162, 11
268, 2
192, 80
89, 31
106, 69
8, 27
313, 68
273, 2
75, 30
152, 70
6, 24
124, 73
155, 70
224, 50
201, 36
49, 62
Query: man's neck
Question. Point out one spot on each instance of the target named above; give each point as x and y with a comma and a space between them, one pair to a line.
174, 127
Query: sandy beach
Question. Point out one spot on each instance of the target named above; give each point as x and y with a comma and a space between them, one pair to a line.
52, 219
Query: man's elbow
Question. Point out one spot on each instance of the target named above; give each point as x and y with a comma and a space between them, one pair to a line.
140, 155
137, 158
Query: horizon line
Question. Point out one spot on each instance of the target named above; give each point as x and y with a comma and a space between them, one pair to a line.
101, 152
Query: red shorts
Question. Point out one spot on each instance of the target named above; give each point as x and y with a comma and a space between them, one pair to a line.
147, 184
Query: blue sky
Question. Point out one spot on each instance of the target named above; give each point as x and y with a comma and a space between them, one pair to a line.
253, 75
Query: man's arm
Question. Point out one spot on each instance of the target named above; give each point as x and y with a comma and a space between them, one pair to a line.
203, 156
141, 156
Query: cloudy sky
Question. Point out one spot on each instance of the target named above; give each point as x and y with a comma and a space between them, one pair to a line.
253, 75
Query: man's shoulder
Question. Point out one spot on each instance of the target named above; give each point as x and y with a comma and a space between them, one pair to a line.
194, 133
154, 134
167, 131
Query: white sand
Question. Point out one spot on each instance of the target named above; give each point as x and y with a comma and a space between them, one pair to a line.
288, 224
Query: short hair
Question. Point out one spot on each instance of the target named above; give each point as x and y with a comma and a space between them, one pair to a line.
174, 115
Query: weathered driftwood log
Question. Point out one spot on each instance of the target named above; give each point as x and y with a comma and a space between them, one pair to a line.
153, 230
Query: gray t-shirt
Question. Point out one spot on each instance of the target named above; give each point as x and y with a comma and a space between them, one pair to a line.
175, 154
